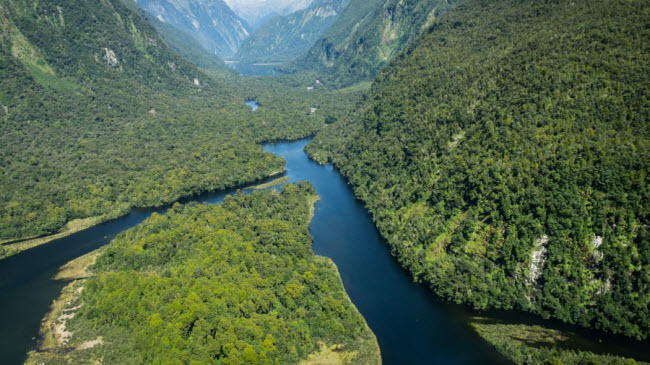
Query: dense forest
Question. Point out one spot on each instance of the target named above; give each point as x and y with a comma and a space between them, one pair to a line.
99, 115
367, 36
505, 157
235, 283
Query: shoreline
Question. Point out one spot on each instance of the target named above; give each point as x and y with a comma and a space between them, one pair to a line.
273, 183
372, 348
326, 352
53, 334
76, 225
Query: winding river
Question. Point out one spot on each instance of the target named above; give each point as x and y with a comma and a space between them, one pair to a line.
411, 324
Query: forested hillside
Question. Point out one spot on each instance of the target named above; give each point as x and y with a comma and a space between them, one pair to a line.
505, 157
366, 37
284, 38
235, 283
98, 115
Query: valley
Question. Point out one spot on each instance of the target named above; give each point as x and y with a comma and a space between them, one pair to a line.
324, 182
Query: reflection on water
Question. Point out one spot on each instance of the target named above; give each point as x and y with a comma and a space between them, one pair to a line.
253, 104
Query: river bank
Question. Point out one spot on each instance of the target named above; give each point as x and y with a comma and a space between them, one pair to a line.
74, 226
13, 247
54, 335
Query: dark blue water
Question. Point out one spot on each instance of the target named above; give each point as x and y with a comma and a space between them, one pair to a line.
412, 325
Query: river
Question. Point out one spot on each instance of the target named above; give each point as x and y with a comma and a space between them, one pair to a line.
411, 324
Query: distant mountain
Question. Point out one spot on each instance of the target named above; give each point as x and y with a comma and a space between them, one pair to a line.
211, 22
284, 38
181, 42
367, 36
257, 12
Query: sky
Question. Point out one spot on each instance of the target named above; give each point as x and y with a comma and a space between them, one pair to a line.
254, 10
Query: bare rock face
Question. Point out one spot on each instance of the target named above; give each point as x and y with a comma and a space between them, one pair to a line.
110, 58
598, 254
538, 259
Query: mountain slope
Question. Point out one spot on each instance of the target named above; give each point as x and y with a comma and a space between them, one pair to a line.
505, 157
284, 38
180, 42
186, 46
211, 22
366, 37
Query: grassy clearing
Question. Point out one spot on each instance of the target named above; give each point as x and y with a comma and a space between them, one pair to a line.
78, 268
330, 355
272, 183
534, 344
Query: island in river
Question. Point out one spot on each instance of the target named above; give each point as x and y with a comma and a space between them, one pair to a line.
234, 283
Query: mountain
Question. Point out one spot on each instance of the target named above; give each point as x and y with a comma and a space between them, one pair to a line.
284, 38
257, 12
211, 22
505, 158
366, 37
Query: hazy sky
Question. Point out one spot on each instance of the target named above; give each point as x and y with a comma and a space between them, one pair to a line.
253, 10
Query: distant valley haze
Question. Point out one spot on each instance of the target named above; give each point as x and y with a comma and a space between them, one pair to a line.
255, 12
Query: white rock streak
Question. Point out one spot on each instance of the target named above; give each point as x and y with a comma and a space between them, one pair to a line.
538, 259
